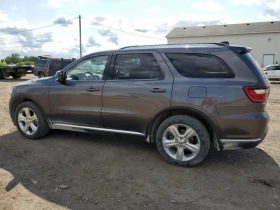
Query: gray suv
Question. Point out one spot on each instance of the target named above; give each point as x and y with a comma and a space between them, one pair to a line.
184, 98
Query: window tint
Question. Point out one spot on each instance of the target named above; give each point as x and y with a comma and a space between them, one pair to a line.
137, 66
56, 65
89, 69
200, 66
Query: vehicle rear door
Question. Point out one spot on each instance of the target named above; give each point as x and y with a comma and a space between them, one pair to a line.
139, 87
55, 65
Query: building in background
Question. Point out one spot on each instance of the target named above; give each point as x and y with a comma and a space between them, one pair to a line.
263, 38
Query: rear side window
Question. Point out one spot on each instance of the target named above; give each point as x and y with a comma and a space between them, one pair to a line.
137, 66
200, 65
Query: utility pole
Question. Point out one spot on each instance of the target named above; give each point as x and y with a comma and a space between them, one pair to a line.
80, 31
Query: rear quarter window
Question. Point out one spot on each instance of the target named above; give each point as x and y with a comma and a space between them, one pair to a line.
200, 65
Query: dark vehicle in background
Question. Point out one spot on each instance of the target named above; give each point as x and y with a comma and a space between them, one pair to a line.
182, 97
15, 71
46, 66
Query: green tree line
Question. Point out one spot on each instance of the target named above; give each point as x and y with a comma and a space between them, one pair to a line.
16, 59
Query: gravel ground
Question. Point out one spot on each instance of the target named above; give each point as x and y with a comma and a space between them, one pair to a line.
68, 170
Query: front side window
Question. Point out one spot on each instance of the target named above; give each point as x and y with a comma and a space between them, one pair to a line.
137, 66
199, 65
89, 69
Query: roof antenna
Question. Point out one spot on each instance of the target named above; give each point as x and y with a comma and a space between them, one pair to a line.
225, 42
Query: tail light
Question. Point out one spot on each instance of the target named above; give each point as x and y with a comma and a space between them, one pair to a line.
258, 94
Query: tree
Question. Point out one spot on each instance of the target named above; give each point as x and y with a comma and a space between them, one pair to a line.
29, 63
25, 58
3, 63
20, 63
33, 58
14, 58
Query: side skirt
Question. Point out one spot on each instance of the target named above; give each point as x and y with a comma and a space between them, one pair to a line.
86, 129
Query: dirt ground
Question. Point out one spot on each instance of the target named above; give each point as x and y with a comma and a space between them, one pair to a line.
68, 170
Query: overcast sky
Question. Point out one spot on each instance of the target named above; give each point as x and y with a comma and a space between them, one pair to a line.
151, 18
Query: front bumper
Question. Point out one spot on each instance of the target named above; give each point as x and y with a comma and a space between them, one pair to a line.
231, 144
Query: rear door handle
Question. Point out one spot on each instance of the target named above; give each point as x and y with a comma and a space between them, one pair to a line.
157, 90
92, 89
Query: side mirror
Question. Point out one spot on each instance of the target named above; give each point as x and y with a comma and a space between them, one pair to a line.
59, 76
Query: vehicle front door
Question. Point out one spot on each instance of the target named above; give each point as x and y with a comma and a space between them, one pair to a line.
78, 100
140, 87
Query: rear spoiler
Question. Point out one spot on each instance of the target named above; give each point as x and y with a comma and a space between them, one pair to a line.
243, 50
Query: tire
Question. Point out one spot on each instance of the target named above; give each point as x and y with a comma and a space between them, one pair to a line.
1, 74
198, 140
40, 121
16, 76
41, 75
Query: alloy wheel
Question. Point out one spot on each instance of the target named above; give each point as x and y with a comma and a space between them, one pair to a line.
28, 121
181, 142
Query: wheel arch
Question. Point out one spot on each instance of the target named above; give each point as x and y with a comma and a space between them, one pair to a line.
22, 99
203, 118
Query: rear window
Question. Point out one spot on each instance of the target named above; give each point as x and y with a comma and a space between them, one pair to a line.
200, 65
41, 63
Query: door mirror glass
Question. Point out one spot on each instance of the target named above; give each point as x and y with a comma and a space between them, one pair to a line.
59, 76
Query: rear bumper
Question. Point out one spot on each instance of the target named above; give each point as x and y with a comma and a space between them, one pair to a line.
231, 144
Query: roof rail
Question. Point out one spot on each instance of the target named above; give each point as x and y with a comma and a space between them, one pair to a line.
162, 45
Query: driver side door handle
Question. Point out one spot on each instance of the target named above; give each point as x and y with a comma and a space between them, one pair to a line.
92, 89
157, 90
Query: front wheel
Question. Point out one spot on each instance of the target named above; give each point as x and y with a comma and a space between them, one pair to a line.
30, 121
183, 140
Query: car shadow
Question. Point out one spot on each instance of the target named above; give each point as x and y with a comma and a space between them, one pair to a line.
87, 171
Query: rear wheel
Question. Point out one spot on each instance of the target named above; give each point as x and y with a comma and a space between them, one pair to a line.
16, 76
30, 121
41, 75
183, 140
1, 74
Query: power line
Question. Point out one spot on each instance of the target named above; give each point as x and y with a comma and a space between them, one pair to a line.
33, 29
122, 30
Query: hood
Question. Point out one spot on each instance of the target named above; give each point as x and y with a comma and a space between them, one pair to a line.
40, 81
